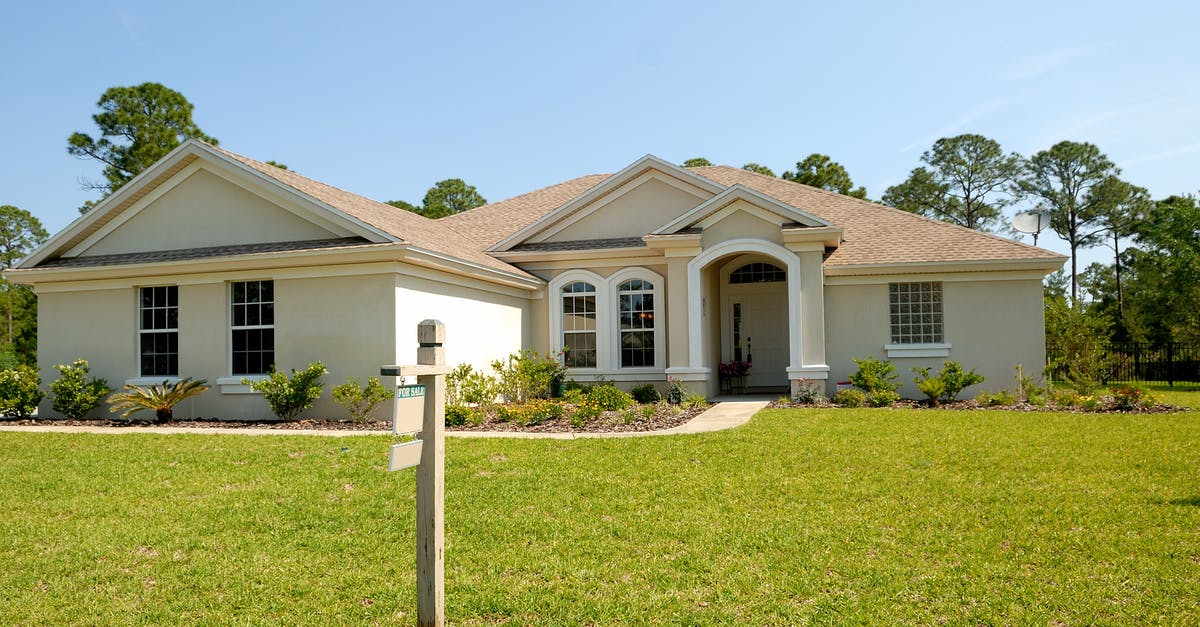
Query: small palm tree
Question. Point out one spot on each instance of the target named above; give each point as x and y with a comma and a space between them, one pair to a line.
160, 398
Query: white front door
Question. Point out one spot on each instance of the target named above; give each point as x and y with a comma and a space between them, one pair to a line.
758, 331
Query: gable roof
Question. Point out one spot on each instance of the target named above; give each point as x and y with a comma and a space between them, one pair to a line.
733, 193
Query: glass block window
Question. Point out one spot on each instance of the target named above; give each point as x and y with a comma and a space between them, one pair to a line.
252, 318
636, 303
158, 335
758, 272
916, 312
579, 324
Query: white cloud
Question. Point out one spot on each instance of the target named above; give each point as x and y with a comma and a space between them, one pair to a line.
1047, 61
962, 121
1177, 151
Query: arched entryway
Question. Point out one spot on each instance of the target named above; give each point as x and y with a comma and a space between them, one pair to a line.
754, 323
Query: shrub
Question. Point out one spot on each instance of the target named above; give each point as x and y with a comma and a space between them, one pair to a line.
467, 386
1029, 390
286, 396
1065, 398
161, 399
933, 387
957, 380
358, 400
874, 375
585, 413
676, 391
527, 374
74, 394
457, 415
610, 398
882, 398
1089, 403
645, 393
809, 393
695, 401
648, 411
532, 412
575, 396
20, 391
850, 397
1002, 398
1129, 397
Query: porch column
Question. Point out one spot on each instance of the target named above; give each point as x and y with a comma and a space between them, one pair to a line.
684, 315
808, 344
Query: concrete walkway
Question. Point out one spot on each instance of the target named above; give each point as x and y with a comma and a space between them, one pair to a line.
729, 412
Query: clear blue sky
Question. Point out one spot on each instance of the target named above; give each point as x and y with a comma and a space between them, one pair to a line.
383, 99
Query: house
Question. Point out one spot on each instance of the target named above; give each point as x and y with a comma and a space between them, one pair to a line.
213, 265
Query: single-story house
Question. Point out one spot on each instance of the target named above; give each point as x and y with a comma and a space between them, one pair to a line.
213, 265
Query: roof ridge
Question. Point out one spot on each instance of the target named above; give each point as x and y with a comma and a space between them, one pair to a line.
520, 196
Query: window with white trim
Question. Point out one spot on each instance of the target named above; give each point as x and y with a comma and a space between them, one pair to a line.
916, 312
636, 314
158, 331
579, 324
252, 326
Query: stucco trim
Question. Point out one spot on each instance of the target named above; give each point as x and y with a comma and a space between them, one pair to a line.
895, 351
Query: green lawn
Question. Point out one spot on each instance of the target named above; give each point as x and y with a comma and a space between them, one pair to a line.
825, 516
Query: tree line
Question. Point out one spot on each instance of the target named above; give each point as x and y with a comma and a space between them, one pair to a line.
1150, 292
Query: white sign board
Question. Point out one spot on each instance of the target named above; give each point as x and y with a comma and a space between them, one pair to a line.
405, 455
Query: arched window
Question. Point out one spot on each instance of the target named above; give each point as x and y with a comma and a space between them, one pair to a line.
579, 324
758, 272
636, 314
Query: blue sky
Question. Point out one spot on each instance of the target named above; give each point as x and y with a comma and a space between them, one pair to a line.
384, 99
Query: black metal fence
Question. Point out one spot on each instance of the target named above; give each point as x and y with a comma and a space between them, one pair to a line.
1169, 363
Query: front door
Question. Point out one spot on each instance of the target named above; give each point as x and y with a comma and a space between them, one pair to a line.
758, 332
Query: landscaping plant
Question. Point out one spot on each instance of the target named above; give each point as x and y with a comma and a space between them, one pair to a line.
1029, 390
931, 386
74, 393
947, 384
610, 397
874, 375
850, 397
808, 393
286, 396
527, 374
20, 391
467, 386
645, 393
359, 400
159, 398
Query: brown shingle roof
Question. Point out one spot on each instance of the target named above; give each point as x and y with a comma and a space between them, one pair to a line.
875, 233
207, 252
491, 223
405, 225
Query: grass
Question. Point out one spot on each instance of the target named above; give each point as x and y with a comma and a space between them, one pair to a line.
825, 516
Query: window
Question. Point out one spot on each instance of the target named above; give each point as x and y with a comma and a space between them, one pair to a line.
158, 335
252, 318
916, 312
758, 272
579, 324
636, 302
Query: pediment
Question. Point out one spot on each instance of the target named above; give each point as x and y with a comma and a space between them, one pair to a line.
736, 200
631, 203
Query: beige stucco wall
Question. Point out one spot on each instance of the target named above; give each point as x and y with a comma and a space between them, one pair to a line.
990, 325
645, 207
198, 212
740, 225
96, 325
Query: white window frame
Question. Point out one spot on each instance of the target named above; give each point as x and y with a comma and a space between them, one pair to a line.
608, 322
143, 379
232, 327
918, 349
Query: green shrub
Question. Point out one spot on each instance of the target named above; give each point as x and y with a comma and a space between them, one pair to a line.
676, 391
1003, 398
20, 391
882, 398
287, 397
467, 386
359, 400
930, 386
1029, 390
585, 413
645, 393
809, 393
74, 394
457, 415
1127, 397
1065, 398
610, 398
531, 413
527, 374
850, 397
1090, 403
648, 411
874, 375
574, 396
160, 399
695, 401
957, 380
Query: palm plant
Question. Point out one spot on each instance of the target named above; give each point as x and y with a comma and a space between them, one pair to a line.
160, 398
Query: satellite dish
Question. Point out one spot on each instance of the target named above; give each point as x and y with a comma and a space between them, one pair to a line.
1032, 221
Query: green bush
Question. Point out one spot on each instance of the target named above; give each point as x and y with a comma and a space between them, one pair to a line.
1066, 398
931, 386
874, 375
531, 413
1003, 398
1029, 390
850, 397
159, 398
457, 415
1129, 397
809, 393
359, 400
882, 398
286, 396
20, 391
695, 401
585, 413
527, 374
610, 398
947, 384
74, 394
645, 393
676, 390
467, 386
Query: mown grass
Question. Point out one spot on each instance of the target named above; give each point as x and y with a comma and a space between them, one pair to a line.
802, 516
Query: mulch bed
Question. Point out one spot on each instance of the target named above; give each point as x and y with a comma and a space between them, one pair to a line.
664, 417
969, 405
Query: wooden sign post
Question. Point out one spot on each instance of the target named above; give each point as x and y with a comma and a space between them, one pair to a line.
428, 453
